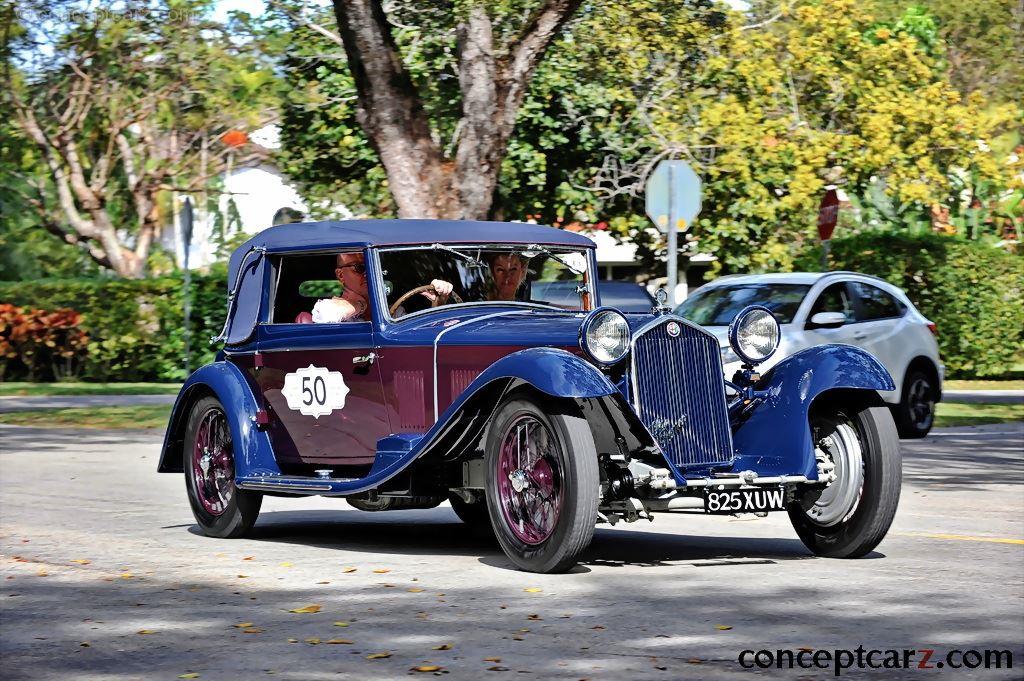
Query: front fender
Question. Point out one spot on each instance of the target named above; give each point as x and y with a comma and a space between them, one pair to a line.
776, 438
226, 382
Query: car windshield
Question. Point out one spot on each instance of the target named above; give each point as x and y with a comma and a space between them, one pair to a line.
544, 275
718, 305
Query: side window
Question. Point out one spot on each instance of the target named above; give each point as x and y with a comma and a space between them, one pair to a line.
303, 281
835, 298
876, 303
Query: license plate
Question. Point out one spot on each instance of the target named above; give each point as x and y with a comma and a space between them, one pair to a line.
744, 501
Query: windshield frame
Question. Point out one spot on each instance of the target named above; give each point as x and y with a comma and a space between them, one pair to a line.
380, 296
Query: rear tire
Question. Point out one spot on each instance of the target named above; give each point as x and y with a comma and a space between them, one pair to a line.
475, 514
850, 516
915, 414
543, 484
220, 508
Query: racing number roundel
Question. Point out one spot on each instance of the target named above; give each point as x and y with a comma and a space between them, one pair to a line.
315, 391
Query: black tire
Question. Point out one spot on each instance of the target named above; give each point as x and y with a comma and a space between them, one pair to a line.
241, 507
865, 524
915, 414
475, 514
570, 447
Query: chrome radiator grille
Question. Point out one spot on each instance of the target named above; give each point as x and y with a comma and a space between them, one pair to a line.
679, 393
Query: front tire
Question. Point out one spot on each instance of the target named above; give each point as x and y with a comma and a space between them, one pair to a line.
915, 414
850, 516
543, 484
220, 508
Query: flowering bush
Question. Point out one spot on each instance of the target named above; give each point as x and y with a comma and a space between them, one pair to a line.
41, 340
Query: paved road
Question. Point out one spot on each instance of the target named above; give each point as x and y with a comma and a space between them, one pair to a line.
650, 601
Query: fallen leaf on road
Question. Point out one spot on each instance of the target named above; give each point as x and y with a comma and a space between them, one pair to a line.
286, 564
534, 617
243, 625
307, 609
84, 644
243, 576
415, 590
378, 656
426, 668
533, 590
190, 675
518, 638
248, 558
312, 641
349, 569
127, 575
723, 627
339, 641
660, 667
43, 573
323, 582
341, 624
146, 631
81, 561
252, 630
695, 660
293, 640
382, 571
597, 628
497, 669
492, 659
443, 646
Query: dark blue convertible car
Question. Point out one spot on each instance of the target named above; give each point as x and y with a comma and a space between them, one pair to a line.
404, 363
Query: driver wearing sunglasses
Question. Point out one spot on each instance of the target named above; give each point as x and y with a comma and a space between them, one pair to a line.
353, 304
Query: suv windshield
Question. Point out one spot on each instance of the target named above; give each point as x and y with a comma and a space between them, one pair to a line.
717, 306
482, 274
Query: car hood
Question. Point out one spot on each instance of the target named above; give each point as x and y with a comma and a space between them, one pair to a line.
495, 325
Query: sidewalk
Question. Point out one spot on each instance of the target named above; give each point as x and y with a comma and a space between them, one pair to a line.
989, 396
23, 403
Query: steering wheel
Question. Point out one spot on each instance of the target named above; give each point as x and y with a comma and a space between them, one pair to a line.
419, 289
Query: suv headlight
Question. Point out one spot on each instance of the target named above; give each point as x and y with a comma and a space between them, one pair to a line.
605, 336
754, 334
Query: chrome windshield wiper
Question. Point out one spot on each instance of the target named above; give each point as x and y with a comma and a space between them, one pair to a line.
555, 256
475, 262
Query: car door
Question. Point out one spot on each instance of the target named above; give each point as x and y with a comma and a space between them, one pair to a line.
320, 383
881, 320
833, 298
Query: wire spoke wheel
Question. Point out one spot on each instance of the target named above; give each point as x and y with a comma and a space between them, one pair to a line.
213, 464
208, 458
530, 480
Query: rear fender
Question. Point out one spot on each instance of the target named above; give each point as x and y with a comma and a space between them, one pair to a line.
225, 381
775, 439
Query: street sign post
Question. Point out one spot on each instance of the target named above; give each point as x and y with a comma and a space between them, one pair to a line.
828, 216
186, 237
672, 199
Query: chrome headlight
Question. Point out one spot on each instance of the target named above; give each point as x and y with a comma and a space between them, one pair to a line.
605, 336
754, 334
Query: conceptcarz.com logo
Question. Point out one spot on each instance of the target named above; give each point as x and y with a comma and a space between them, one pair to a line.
839, 660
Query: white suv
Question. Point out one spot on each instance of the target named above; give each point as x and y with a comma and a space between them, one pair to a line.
836, 307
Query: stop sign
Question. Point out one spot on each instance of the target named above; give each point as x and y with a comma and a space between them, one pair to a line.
828, 214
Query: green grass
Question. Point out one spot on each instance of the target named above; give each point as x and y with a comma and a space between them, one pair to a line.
147, 416
42, 389
156, 416
962, 414
1014, 384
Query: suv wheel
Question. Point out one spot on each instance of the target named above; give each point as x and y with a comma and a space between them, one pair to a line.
915, 414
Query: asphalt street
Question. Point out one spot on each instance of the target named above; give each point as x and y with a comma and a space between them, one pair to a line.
106, 577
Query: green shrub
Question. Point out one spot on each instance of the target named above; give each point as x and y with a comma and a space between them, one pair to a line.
973, 292
135, 327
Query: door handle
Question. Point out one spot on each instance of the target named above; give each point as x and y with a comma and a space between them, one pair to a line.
860, 336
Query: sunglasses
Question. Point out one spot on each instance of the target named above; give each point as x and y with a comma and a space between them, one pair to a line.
358, 267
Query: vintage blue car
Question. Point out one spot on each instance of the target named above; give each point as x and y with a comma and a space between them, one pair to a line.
403, 363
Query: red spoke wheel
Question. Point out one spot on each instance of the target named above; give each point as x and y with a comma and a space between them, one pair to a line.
542, 484
220, 508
